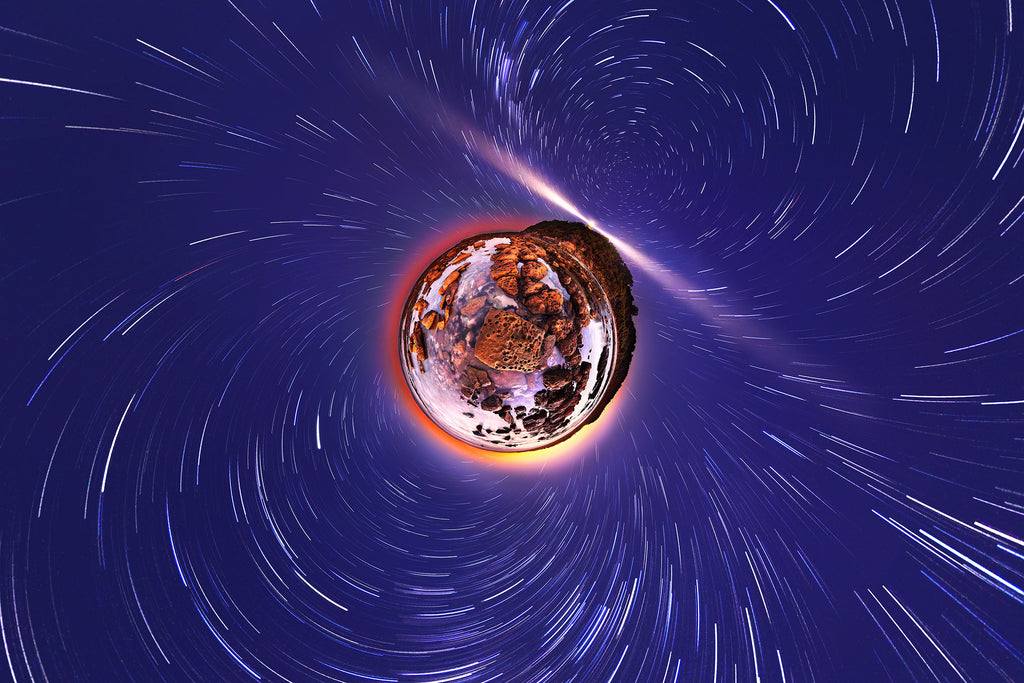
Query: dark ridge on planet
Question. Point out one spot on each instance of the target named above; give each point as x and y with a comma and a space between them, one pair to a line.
607, 265
532, 331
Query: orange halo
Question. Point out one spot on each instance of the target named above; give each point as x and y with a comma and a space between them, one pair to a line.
559, 453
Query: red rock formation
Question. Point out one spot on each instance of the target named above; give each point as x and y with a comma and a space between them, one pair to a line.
504, 268
509, 285
531, 287
416, 342
509, 342
545, 302
561, 328
430, 319
533, 270
567, 345
451, 280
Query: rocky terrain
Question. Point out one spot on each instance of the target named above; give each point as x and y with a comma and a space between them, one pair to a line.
512, 337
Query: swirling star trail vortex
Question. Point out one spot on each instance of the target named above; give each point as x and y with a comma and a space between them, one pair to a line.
208, 211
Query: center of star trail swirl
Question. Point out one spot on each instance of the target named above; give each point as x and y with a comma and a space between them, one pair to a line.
210, 472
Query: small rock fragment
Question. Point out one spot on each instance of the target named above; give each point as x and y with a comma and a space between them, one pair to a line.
475, 378
453, 277
417, 343
430, 319
548, 345
474, 305
491, 403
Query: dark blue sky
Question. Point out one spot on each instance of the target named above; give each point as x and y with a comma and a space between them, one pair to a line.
208, 212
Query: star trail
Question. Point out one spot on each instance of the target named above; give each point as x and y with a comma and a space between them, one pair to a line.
210, 211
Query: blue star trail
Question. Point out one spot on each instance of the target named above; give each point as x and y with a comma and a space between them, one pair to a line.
211, 211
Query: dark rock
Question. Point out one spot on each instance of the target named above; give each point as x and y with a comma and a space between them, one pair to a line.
475, 378
581, 373
491, 403
568, 345
556, 378
535, 419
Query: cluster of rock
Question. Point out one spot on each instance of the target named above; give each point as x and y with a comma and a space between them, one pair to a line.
521, 340
605, 263
508, 335
436, 320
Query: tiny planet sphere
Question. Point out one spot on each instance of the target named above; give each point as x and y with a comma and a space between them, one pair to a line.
512, 341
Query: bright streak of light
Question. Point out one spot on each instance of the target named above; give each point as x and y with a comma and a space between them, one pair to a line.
695, 297
674, 283
483, 147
